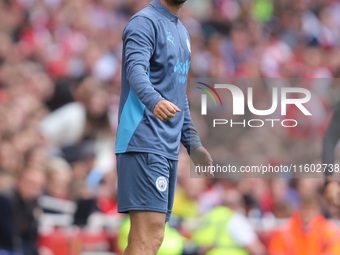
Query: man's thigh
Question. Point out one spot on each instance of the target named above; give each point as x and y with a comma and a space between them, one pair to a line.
146, 182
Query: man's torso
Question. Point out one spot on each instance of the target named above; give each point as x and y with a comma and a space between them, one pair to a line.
168, 70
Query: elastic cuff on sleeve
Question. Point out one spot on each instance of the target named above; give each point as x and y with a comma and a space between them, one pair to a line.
154, 102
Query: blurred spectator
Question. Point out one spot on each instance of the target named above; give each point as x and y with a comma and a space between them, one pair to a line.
99, 195
83, 125
10, 160
107, 194
7, 181
225, 230
307, 232
187, 190
59, 175
19, 213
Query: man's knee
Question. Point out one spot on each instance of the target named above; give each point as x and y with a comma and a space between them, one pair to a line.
145, 237
158, 238
147, 229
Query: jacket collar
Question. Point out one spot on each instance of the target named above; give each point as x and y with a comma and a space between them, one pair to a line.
162, 9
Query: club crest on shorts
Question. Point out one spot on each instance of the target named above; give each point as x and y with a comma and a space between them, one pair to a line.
161, 183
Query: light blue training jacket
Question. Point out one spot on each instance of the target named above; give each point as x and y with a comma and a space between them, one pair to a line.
155, 66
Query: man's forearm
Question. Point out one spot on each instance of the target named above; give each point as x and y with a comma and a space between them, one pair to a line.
140, 83
189, 137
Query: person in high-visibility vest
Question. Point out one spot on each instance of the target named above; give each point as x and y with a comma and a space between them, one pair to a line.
307, 232
226, 231
173, 242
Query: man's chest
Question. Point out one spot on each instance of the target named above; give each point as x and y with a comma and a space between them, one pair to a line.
173, 49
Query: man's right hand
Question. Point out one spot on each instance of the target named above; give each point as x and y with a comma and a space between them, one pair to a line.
332, 193
165, 110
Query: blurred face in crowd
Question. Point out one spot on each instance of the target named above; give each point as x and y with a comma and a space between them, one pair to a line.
31, 184
41, 86
193, 187
58, 184
9, 158
233, 199
240, 38
307, 187
25, 140
98, 103
309, 210
313, 57
108, 186
93, 96
37, 157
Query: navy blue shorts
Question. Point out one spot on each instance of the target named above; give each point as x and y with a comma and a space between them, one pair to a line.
146, 182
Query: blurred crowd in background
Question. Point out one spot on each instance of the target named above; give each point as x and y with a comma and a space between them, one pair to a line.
60, 67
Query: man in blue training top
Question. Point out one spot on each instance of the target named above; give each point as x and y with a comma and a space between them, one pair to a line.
154, 118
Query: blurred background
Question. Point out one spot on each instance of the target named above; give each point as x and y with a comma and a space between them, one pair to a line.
59, 93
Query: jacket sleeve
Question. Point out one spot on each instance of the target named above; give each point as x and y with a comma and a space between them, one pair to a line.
189, 135
139, 43
331, 139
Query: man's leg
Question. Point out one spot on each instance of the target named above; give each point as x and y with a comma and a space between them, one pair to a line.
146, 233
143, 191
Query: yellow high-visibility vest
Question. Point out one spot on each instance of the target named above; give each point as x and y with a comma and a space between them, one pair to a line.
213, 233
184, 207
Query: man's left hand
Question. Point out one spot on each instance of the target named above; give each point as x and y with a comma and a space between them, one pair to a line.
201, 157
